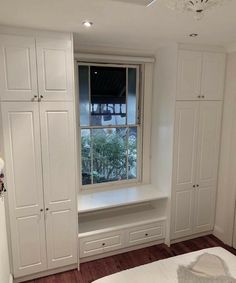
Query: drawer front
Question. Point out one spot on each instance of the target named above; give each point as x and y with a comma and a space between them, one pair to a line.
146, 233
101, 243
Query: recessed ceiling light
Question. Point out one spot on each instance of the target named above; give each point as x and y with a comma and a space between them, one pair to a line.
87, 24
193, 34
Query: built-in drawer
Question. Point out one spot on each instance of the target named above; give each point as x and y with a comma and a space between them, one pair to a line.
101, 243
146, 233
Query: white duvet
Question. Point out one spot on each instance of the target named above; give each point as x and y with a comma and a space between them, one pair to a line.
165, 271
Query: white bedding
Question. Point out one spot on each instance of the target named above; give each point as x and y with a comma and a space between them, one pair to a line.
165, 271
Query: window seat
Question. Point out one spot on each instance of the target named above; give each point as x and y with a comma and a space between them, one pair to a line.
105, 199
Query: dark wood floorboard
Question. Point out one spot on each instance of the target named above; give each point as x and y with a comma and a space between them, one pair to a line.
93, 270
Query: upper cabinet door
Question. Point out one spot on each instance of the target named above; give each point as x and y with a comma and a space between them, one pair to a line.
208, 142
18, 79
213, 76
59, 169
189, 75
25, 193
185, 144
55, 69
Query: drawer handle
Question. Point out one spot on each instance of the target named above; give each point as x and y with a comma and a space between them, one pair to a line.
146, 235
103, 244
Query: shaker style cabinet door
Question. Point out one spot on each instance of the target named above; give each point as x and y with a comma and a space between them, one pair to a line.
59, 168
208, 142
55, 67
18, 78
213, 70
25, 193
189, 75
207, 164
184, 170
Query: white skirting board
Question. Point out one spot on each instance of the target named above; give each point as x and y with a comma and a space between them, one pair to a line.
10, 279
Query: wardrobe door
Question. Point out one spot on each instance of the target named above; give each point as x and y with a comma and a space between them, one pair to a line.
18, 79
185, 148
55, 77
209, 143
59, 168
24, 180
213, 76
207, 164
189, 75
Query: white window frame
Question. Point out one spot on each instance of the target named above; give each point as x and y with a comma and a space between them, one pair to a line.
145, 95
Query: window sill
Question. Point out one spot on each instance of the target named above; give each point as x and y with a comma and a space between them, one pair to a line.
105, 199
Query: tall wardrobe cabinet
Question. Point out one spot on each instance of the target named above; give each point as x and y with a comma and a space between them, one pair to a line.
36, 93
197, 132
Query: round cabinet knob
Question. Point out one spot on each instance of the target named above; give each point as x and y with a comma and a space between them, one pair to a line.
47, 209
203, 96
103, 244
194, 186
41, 210
146, 234
199, 96
197, 185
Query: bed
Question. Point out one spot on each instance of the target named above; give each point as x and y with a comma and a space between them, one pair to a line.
166, 270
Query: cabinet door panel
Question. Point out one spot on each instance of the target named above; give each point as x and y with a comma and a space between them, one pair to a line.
55, 69
18, 80
182, 212
213, 76
58, 151
185, 145
208, 143
204, 209
24, 179
189, 75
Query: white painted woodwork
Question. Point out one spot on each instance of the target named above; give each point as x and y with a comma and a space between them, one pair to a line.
145, 233
21, 129
182, 213
185, 144
189, 75
103, 199
58, 154
18, 78
213, 70
208, 143
101, 243
200, 75
196, 153
54, 61
205, 198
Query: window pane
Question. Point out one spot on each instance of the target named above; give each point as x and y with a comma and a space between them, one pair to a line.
108, 95
109, 154
86, 156
84, 95
132, 96
132, 153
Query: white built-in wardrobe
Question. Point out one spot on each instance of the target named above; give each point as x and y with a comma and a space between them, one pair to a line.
36, 92
197, 132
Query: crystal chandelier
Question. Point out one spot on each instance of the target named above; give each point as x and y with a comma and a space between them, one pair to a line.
198, 7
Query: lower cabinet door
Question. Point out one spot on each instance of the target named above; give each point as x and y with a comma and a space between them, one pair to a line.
182, 213
146, 233
59, 168
205, 198
101, 243
21, 132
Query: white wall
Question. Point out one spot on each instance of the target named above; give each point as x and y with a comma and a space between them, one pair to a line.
224, 221
4, 258
163, 111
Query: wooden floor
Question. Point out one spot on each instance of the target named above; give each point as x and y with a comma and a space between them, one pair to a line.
99, 268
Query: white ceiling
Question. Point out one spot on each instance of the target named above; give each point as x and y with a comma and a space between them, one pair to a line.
119, 24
